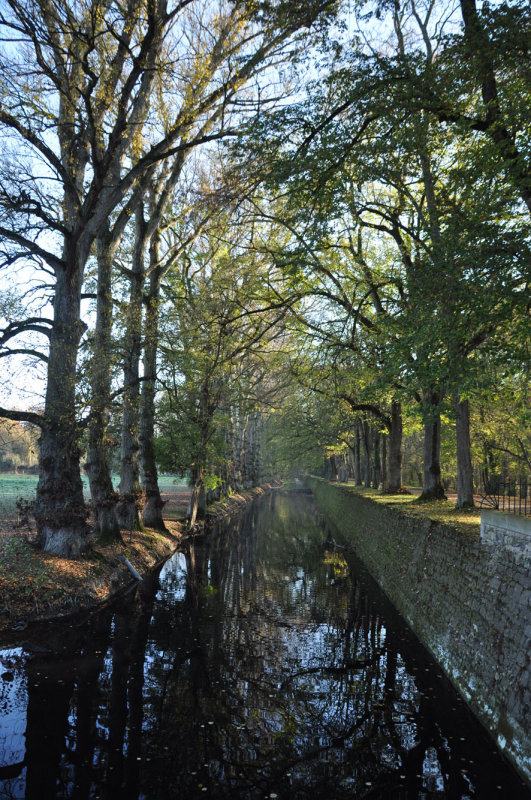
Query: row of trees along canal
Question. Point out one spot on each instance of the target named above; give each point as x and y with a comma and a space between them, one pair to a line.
237, 223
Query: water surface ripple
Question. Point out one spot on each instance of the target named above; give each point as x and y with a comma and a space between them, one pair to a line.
263, 663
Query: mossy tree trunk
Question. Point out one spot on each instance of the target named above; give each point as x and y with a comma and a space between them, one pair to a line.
152, 511
366, 440
384, 461
127, 508
97, 463
465, 474
432, 488
60, 511
395, 448
377, 460
357, 453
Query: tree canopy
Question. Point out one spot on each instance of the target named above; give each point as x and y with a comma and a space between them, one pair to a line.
244, 240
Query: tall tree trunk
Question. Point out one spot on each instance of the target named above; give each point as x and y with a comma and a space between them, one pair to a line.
197, 508
384, 460
127, 507
251, 451
152, 512
465, 475
366, 438
395, 448
256, 475
357, 453
248, 447
349, 460
343, 468
97, 464
230, 458
377, 462
488, 474
60, 510
237, 435
241, 448
198, 499
432, 487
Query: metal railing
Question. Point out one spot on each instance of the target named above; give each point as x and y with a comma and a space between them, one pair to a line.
511, 496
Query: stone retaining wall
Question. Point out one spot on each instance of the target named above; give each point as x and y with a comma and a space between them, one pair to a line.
466, 598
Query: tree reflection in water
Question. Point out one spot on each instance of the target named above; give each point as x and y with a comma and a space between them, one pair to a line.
260, 665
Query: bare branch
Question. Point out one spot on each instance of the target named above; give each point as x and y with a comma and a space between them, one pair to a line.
23, 416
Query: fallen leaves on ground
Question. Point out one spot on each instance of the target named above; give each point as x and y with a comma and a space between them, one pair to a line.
36, 585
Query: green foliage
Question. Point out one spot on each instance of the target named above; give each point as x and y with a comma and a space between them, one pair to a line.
222, 319
406, 231
304, 427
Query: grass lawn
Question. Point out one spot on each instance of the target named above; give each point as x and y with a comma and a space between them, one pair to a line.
13, 487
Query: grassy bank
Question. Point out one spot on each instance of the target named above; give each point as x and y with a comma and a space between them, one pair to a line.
444, 511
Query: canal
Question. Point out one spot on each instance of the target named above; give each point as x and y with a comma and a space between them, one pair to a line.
262, 663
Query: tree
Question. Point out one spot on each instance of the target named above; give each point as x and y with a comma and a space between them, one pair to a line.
366, 154
222, 318
75, 108
18, 446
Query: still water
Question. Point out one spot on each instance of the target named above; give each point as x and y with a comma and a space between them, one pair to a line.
261, 664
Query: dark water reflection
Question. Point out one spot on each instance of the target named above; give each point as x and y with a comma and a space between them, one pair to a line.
262, 665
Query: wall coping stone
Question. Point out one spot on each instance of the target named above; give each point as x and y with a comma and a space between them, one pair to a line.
507, 522
509, 532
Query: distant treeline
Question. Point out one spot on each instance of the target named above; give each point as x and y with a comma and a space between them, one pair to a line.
18, 447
